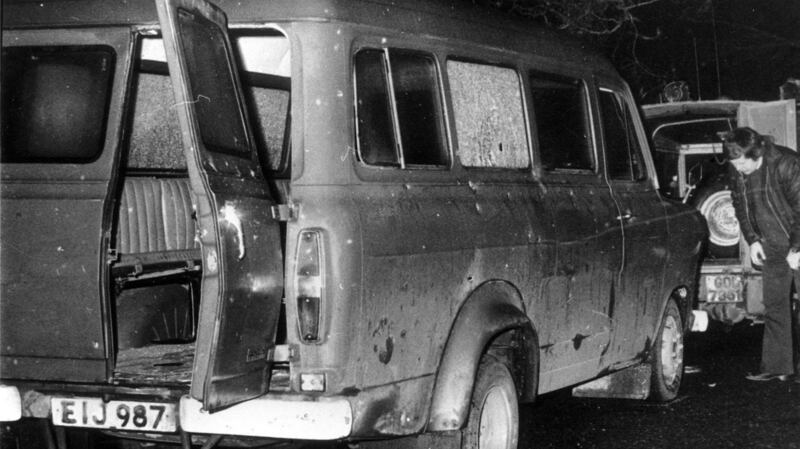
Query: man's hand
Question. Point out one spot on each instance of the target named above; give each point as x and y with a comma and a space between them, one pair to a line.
793, 259
757, 255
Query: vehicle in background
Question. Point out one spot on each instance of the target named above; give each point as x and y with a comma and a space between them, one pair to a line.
687, 151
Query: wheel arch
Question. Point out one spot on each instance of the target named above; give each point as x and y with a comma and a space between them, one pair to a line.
684, 297
493, 313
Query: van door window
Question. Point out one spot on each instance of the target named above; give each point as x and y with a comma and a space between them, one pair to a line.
563, 122
222, 125
623, 152
155, 141
399, 109
54, 103
488, 109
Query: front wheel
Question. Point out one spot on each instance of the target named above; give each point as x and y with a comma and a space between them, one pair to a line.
493, 421
666, 356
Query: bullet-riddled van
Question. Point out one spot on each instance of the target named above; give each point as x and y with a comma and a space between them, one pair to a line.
322, 220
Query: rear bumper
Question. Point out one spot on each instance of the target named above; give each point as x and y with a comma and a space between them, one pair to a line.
321, 419
272, 416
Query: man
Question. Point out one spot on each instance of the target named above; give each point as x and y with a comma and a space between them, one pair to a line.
765, 186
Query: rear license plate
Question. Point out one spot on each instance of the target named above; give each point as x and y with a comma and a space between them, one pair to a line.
121, 415
723, 288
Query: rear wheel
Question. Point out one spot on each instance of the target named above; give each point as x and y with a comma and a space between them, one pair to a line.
493, 421
666, 356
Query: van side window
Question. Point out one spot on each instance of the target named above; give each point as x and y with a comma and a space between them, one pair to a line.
562, 122
488, 110
623, 152
400, 119
54, 103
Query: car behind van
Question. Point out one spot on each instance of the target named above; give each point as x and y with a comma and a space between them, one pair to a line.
692, 168
322, 220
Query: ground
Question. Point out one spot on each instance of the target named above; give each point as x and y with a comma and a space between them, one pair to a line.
717, 406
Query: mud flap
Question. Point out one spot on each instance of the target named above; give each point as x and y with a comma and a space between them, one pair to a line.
630, 383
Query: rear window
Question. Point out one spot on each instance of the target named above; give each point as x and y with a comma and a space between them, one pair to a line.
688, 132
55, 102
218, 112
155, 141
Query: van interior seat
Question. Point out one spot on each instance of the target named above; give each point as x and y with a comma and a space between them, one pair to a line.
155, 227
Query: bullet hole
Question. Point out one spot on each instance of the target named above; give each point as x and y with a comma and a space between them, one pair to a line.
386, 354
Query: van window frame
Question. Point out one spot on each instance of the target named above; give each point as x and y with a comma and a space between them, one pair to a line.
524, 99
381, 44
622, 102
97, 53
587, 83
649, 180
120, 39
469, 52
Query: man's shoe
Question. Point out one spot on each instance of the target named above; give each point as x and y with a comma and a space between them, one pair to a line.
763, 377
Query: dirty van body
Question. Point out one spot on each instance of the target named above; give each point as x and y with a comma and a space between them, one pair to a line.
323, 220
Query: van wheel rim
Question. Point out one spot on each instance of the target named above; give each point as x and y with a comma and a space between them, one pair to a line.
671, 350
496, 416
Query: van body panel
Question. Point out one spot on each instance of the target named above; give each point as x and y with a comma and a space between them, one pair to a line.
242, 278
497, 306
51, 277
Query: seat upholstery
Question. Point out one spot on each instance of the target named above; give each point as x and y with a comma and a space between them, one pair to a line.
155, 216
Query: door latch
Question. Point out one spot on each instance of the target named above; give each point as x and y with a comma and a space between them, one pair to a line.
284, 212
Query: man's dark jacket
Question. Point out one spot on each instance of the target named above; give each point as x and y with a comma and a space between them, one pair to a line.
782, 187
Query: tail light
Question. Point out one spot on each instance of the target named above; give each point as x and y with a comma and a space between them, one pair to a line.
309, 283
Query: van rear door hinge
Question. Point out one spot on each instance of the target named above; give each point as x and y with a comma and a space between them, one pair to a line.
284, 212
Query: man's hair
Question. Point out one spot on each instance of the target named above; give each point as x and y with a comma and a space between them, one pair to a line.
744, 142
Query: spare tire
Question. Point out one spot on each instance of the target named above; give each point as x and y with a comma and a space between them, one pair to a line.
716, 205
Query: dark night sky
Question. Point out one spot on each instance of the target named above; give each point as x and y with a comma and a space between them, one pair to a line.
757, 47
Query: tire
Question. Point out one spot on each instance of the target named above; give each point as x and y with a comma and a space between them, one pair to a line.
493, 421
716, 205
666, 356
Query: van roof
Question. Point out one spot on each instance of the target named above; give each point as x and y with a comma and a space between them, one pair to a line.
449, 19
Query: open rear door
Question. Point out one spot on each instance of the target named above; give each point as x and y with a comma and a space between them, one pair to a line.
775, 118
242, 279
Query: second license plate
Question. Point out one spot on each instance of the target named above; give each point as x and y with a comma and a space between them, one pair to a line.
723, 288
